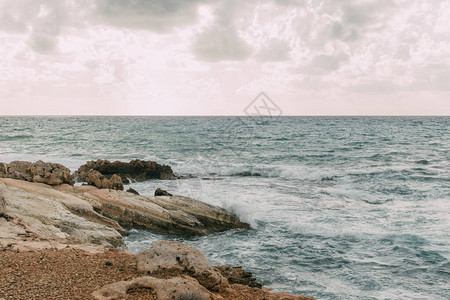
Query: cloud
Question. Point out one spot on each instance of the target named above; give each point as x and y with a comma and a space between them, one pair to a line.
155, 15
274, 50
221, 41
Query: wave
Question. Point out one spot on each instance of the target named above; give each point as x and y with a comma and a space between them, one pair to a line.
6, 138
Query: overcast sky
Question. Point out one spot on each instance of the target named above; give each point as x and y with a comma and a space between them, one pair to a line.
202, 57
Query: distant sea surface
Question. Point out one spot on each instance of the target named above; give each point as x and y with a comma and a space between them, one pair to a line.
341, 207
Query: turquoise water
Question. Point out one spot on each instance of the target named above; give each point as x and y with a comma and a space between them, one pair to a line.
341, 207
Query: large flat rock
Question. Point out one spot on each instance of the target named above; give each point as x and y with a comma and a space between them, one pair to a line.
90, 215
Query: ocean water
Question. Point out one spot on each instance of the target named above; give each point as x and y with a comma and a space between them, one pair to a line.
341, 207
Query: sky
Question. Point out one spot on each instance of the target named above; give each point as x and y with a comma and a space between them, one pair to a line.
204, 57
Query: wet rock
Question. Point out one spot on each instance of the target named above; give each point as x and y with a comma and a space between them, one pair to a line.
237, 275
165, 258
98, 180
138, 170
161, 192
174, 288
48, 173
133, 191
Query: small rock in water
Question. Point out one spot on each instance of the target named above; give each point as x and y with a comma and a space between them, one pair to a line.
133, 191
161, 192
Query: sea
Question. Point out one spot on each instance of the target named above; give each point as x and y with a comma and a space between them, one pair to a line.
340, 207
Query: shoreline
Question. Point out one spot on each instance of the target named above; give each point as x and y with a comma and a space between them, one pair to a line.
49, 230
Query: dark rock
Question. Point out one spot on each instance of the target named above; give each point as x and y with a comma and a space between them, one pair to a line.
138, 170
133, 191
237, 275
2, 207
41, 172
97, 179
161, 192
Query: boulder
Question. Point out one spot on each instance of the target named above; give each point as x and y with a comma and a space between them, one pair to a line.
237, 275
161, 192
133, 191
173, 288
138, 170
165, 258
48, 173
98, 180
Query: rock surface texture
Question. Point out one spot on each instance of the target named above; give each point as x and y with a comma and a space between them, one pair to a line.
238, 275
175, 258
48, 173
176, 271
90, 215
138, 170
98, 180
161, 192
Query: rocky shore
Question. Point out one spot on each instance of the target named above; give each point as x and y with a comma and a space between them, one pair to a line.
57, 240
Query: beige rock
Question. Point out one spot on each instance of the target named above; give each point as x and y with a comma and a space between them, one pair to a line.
175, 214
90, 215
40, 212
49, 173
175, 258
98, 180
165, 289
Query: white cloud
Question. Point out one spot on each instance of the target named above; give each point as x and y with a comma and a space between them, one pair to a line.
140, 52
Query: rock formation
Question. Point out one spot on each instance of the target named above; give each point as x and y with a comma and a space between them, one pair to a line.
48, 173
138, 170
161, 192
238, 275
176, 271
90, 215
2, 206
176, 214
175, 258
133, 191
98, 180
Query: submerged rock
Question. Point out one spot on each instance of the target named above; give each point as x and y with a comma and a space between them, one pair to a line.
48, 173
161, 192
174, 258
98, 180
138, 170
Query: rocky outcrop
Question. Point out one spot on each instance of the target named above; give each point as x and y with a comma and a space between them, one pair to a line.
133, 191
176, 271
237, 275
175, 214
138, 170
2, 206
175, 258
98, 180
86, 214
48, 173
173, 288
161, 192
40, 213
